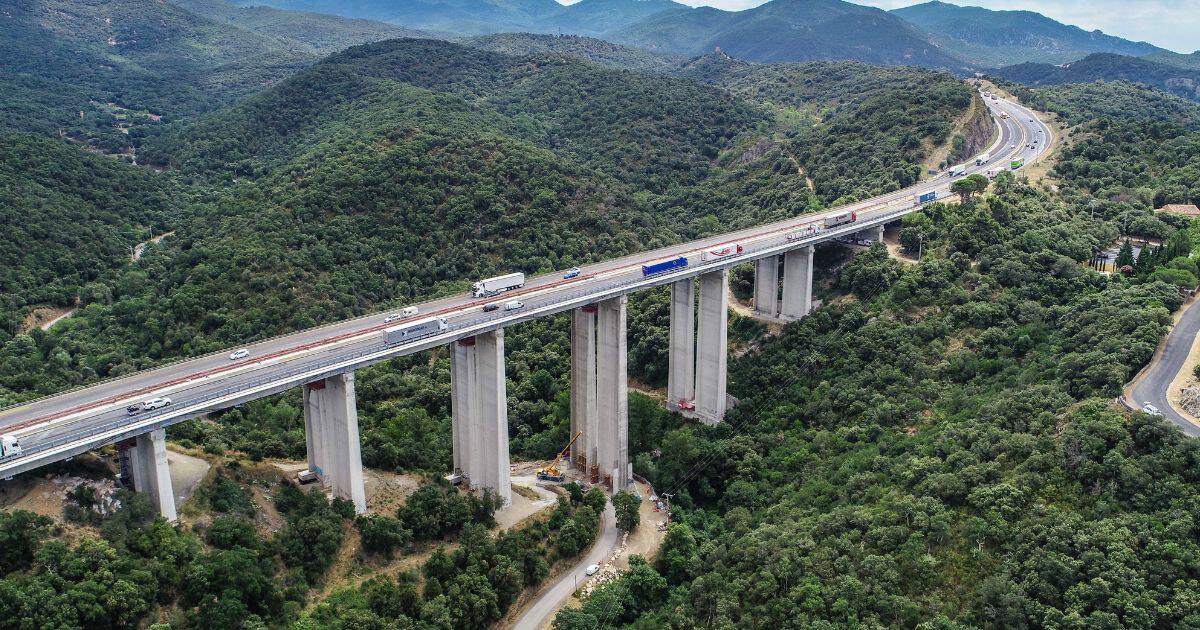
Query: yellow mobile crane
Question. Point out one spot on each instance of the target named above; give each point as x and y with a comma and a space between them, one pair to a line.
551, 472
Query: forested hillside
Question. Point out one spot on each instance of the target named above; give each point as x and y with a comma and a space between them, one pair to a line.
938, 446
586, 48
1003, 38
70, 219
791, 30
1107, 67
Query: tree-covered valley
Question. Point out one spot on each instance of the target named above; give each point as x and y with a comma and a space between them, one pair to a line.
936, 446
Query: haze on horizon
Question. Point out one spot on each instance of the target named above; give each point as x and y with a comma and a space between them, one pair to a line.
1170, 24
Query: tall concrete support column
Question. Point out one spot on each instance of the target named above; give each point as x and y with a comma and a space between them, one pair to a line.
612, 386
584, 412
681, 368
797, 283
712, 345
766, 286
462, 390
493, 413
148, 460
334, 450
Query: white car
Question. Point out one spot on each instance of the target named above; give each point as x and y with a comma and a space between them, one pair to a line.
592, 569
239, 354
1151, 409
513, 305
392, 317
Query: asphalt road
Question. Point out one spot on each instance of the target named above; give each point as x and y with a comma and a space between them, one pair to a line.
1157, 380
538, 613
57, 427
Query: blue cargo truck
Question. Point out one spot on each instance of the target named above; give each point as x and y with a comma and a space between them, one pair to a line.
664, 266
927, 197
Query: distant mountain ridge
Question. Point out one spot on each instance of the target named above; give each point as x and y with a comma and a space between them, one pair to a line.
791, 30
482, 17
1108, 67
999, 38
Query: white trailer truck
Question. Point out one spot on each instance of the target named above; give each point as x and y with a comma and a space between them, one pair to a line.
491, 286
983, 159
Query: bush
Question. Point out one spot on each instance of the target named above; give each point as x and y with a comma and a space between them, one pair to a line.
382, 534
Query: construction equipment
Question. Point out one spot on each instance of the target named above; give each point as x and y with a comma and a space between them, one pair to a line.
551, 472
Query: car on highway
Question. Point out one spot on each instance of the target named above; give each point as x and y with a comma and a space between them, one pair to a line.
239, 354
573, 272
1151, 409
148, 405
392, 317
514, 305
592, 569
487, 308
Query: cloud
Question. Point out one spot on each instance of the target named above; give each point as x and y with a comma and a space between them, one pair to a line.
1172, 24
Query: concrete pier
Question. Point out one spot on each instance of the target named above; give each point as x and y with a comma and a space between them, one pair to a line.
681, 369
584, 410
797, 283
766, 286
479, 404
712, 346
148, 463
331, 428
612, 389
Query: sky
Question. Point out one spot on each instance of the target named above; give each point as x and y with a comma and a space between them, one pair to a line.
1171, 24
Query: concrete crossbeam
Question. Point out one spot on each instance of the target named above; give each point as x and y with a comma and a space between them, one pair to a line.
797, 283
584, 411
334, 449
681, 369
766, 286
712, 346
148, 461
612, 386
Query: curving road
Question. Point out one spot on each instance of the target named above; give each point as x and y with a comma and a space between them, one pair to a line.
1156, 382
537, 615
57, 427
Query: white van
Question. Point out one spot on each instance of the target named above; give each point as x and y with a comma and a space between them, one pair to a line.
513, 305
409, 311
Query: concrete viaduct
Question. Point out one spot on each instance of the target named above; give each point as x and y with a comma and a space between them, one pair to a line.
322, 361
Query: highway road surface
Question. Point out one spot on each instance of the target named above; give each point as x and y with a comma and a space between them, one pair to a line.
60, 426
1157, 379
538, 614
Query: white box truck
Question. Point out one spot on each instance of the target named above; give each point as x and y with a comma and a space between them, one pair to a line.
955, 171
491, 286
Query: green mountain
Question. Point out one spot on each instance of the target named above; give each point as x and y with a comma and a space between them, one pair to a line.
318, 33
791, 30
474, 17
1177, 59
1001, 38
587, 48
1108, 67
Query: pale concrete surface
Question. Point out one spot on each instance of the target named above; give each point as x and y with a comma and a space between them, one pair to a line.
186, 474
681, 369
712, 346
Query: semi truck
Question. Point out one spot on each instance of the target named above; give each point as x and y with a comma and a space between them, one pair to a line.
804, 231
721, 251
415, 330
491, 286
983, 159
10, 446
1017, 163
832, 220
955, 171
664, 266
927, 197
